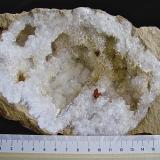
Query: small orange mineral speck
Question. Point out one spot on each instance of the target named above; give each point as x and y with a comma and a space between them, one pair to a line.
96, 94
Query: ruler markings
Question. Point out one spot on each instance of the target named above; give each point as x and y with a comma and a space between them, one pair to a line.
79, 144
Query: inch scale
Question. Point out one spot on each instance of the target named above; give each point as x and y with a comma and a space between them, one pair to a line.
39, 146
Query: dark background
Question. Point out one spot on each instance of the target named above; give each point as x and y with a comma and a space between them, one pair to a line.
140, 13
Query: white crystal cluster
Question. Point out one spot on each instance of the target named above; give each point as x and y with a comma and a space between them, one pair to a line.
54, 85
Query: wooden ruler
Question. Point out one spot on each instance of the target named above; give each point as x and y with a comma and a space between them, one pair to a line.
79, 147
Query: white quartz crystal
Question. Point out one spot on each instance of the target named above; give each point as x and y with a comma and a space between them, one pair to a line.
56, 70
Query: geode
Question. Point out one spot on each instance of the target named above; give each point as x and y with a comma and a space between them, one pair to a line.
79, 72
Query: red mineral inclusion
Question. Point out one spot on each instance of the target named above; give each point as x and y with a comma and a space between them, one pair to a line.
96, 94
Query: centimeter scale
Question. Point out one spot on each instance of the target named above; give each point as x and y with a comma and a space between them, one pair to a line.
80, 147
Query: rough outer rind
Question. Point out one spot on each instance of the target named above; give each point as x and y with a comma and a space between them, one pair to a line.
150, 37
19, 113
150, 124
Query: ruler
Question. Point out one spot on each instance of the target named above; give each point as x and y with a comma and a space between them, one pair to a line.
38, 146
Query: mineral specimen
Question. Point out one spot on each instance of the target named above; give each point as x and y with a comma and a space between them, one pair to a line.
80, 71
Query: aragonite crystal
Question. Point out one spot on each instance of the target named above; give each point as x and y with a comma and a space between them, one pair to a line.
80, 71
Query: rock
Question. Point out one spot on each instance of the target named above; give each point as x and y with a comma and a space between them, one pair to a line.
150, 37
80, 71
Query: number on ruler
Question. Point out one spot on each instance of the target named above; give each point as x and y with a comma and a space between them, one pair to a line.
110, 149
99, 149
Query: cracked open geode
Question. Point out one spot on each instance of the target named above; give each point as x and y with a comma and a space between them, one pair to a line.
80, 71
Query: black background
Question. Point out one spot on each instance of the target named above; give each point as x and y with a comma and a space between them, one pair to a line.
140, 13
